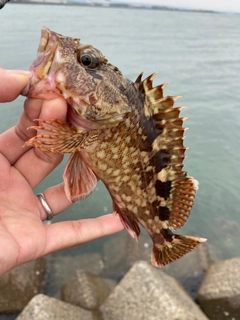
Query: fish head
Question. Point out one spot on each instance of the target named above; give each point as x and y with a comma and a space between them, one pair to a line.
94, 89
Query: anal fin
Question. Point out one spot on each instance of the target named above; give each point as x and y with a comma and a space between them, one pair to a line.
79, 179
173, 248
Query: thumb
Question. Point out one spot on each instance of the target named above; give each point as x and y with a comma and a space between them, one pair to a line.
12, 83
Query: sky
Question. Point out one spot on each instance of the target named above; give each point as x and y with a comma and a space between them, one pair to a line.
216, 5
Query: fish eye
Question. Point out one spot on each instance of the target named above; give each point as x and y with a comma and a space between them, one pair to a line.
88, 59
85, 60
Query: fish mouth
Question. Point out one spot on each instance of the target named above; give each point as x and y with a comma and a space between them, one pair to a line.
41, 66
46, 52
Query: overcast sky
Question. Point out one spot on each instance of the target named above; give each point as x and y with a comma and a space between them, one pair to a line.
218, 5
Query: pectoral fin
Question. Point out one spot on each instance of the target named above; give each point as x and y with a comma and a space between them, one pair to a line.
79, 179
56, 136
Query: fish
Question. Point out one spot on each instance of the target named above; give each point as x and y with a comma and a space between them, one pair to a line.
126, 134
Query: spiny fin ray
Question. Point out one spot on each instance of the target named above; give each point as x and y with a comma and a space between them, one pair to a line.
138, 81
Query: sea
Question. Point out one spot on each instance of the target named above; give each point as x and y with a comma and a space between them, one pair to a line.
197, 53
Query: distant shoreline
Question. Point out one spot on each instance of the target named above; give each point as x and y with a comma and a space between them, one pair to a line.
110, 5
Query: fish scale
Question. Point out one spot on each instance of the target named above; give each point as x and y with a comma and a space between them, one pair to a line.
127, 134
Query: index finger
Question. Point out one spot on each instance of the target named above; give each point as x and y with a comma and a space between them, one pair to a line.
12, 82
65, 234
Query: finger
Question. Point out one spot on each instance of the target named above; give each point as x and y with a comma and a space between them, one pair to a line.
35, 165
12, 82
62, 235
12, 140
56, 199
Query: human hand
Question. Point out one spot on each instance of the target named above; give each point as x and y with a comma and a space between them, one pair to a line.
23, 236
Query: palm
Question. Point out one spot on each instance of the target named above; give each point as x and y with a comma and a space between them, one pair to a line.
21, 229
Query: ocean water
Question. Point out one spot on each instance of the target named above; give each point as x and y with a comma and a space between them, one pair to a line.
197, 53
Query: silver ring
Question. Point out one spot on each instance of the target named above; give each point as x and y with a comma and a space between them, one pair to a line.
45, 205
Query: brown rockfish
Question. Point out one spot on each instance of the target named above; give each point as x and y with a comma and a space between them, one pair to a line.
125, 133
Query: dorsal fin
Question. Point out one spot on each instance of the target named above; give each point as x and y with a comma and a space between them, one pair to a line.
174, 188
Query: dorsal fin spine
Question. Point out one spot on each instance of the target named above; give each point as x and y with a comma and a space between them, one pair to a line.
138, 81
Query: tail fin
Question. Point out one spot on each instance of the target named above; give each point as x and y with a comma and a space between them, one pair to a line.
174, 248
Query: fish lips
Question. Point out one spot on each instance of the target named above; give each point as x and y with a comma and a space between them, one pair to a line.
41, 77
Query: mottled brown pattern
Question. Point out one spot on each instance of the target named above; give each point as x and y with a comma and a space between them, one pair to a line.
126, 134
